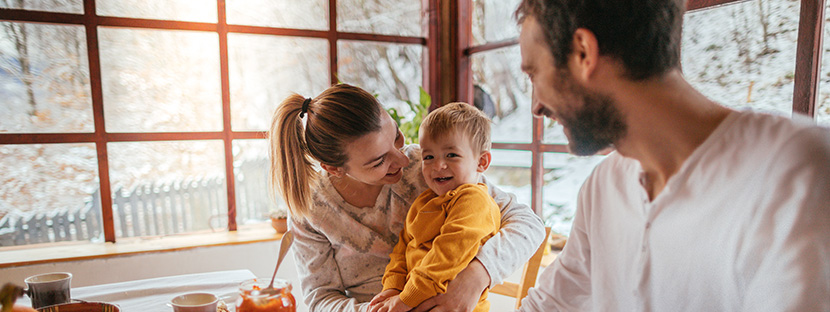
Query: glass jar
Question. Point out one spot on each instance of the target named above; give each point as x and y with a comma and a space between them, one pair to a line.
252, 299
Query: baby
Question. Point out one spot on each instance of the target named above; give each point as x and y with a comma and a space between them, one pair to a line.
447, 223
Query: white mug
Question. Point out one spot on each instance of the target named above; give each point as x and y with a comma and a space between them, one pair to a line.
49, 289
195, 302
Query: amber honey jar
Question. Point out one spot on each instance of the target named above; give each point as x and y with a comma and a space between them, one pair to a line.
255, 297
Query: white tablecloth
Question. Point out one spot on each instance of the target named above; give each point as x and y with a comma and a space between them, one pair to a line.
153, 294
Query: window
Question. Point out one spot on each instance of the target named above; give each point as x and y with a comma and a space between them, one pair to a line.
530, 156
823, 105
104, 99
125, 118
743, 54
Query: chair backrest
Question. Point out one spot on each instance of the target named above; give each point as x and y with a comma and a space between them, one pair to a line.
531, 270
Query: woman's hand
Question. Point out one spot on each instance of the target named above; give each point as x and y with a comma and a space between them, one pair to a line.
462, 293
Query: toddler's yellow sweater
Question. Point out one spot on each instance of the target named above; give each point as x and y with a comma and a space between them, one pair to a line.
441, 236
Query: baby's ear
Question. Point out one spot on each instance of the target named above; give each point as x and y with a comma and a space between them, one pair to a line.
484, 161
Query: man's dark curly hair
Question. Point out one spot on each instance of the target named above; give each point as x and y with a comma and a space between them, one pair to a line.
643, 34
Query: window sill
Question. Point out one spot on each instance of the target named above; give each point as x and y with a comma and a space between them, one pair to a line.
75, 251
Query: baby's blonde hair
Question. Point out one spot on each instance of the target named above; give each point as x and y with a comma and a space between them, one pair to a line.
458, 116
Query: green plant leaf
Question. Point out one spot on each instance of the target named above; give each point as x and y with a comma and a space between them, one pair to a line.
410, 126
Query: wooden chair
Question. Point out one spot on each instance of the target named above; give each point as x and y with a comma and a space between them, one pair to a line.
531, 270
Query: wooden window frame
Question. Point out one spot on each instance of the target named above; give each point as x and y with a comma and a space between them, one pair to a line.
805, 95
90, 20
447, 76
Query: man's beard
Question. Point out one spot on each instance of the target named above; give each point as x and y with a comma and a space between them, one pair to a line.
595, 124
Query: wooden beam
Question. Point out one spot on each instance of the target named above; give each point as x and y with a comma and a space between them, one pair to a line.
443, 47
276, 31
37, 16
431, 59
45, 138
692, 5
491, 46
154, 24
227, 129
808, 56
537, 169
91, 26
382, 38
332, 36
163, 136
464, 23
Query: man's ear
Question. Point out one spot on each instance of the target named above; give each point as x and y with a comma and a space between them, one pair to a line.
484, 161
585, 55
334, 171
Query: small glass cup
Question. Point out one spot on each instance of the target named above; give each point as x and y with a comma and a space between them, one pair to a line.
195, 302
251, 299
49, 289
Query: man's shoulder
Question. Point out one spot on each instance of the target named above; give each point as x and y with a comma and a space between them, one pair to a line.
779, 136
768, 127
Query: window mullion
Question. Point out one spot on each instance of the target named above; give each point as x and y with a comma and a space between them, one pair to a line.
808, 56
333, 41
537, 181
91, 26
227, 130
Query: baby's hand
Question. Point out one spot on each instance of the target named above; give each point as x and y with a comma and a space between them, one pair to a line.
393, 304
381, 297
396, 305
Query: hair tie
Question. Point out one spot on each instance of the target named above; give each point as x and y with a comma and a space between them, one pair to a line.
305, 107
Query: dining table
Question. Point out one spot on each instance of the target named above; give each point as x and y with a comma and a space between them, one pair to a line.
154, 294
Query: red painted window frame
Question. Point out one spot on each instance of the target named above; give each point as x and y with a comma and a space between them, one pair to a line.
805, 95
90, 20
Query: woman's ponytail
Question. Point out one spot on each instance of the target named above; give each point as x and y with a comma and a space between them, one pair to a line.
291, 170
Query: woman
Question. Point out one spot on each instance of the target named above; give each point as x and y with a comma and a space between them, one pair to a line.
347, 217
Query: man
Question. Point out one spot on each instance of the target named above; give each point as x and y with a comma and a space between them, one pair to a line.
701, 208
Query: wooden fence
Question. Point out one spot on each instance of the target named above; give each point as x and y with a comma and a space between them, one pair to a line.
149, 210
57, 226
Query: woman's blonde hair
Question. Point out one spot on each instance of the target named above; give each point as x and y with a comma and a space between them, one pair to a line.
335, 118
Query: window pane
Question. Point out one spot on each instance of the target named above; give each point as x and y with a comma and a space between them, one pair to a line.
49, 194
250, 165
564, 175
163, 188
743, 55
392, 71
388, 17
177, 10
160, 80
305, 14
823, 103
62, 6
264, 70
510, 171
493, 20
503, 92
554, 133
44, 79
